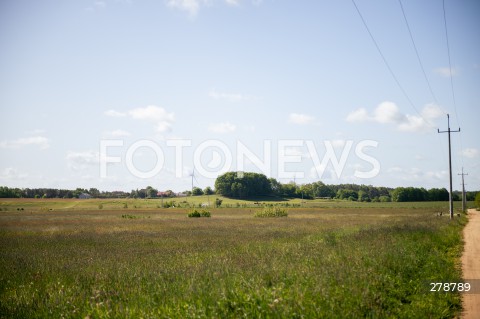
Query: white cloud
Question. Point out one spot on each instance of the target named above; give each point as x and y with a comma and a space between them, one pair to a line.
157, 115
415, 174
231, 97
114, 113
471, 152
432, 111
117, 133
389, 113
12, 174
162, 119
445, 72
233, 2
81, 160
190, 6
224, 127
300, 119
359, 115
40, 141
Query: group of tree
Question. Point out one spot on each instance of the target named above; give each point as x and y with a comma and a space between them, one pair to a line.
244, 185
6, 192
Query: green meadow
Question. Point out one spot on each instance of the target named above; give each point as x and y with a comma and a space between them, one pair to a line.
135, 259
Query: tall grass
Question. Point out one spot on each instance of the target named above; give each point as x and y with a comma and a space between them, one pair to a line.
346, 263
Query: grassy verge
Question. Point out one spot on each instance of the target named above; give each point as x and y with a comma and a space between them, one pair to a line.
335, 263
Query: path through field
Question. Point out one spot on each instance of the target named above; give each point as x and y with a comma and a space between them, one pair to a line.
471, 263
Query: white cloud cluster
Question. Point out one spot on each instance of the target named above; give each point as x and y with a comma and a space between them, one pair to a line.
81, 160
300, 119
415, 174
157, 115
389, 113
12, 174
41, 141
224, 127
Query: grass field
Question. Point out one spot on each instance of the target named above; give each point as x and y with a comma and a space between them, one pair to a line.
128, 258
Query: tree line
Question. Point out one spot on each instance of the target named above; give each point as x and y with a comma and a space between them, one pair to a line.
245, 185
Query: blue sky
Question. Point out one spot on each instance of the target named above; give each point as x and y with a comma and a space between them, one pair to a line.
274, 76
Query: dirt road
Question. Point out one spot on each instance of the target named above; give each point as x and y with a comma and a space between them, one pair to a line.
471, 263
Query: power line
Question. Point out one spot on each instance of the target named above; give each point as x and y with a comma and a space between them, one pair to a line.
450, 61
451, 76
418, 55
388, 65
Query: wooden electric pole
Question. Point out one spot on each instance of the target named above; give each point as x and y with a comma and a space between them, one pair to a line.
450, 162
464, 199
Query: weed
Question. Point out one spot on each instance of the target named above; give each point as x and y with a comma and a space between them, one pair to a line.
271, 211
202, 213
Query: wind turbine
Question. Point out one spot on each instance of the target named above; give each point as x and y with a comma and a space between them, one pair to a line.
193, 177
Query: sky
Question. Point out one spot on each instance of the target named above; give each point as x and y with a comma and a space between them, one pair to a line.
122, 94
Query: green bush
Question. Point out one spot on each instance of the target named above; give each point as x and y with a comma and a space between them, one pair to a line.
272, 212
196, 213
477, 200
169, 204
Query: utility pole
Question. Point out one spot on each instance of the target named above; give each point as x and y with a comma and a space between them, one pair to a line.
449, 162
464, 199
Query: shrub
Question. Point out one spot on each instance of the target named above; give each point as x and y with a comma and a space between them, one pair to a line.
477, 200
100, 206
127, 216
196, 213
385, 199
169, 204
205, 213
272, 212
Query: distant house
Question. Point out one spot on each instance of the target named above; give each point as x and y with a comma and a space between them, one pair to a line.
164, 194
84, 196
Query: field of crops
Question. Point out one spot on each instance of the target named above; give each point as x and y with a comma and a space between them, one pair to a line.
130, 258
